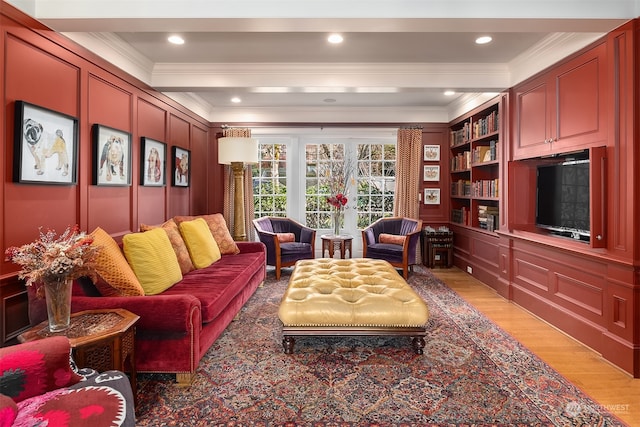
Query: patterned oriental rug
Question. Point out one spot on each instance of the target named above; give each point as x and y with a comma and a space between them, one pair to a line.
472, 373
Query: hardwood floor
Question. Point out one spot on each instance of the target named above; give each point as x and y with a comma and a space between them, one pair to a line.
611, 387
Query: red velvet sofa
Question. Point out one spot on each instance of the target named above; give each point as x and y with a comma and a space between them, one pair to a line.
177, 326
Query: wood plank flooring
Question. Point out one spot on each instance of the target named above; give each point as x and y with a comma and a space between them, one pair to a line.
608, 385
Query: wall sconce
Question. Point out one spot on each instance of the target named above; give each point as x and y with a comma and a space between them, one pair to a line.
238, 152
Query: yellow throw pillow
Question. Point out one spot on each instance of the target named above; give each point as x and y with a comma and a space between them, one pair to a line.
177, 242
219, 230
202, 246
392, 238
118, 279
152, 258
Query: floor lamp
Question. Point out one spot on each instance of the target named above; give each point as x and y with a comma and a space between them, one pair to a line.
238, 152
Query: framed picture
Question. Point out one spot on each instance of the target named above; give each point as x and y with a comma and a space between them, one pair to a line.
180, 160
153, 160
431, 196
111, 156
46, 146
431, 173
431, 153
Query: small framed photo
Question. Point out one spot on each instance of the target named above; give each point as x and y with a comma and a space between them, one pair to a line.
431, 173
46, 146
153, 160
431, 196
111, 156
431, 153
180, 160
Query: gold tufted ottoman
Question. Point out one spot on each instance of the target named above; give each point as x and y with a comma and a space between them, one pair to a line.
359, 296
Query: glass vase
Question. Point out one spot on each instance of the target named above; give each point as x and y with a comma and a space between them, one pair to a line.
337, 219
58, 298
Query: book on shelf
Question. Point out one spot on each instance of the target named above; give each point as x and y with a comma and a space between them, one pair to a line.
487, 217
485, 188
461, 161
460, 216
461, 187
486, 125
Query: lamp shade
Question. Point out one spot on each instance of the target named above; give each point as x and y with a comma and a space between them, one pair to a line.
237, 149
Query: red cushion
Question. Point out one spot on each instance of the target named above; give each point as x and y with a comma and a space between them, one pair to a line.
217, 284
8, 411
34, 368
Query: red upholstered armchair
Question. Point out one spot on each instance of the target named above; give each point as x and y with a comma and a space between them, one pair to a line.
287, 241
393, 239
38, 386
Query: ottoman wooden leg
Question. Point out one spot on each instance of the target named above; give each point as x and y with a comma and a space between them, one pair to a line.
418, 344
288, 342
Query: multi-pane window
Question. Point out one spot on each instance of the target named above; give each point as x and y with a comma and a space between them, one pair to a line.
324, 172
270, 181
376, 180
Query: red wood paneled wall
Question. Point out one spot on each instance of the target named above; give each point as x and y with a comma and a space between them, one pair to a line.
45, 69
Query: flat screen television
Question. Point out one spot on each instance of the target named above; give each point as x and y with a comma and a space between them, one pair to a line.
562, 199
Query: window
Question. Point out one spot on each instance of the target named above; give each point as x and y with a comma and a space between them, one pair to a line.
270, 181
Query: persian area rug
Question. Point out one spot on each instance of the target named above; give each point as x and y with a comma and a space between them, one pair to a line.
472, 373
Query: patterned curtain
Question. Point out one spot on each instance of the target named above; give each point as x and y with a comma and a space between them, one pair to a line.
408, 161
229, 189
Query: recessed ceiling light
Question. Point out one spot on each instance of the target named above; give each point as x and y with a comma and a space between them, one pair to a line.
449, 93
236, 100
329, 100
335, 38
176, 39
483, 40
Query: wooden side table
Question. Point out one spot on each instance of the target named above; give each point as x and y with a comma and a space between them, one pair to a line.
332, 242
437, 248
101, 339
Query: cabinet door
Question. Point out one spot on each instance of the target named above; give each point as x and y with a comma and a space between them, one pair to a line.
532, 118
580, 118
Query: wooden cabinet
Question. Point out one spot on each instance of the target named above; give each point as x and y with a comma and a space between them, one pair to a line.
563, 109
475, 167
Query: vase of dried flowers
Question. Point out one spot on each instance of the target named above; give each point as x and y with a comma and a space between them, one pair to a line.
58, 297
51, 263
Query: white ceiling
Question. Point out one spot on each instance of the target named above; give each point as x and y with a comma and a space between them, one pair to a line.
397, 58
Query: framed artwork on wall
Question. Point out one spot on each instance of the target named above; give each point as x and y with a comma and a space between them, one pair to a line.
111, 156
180, 160
153, 159
431, 173
46, 146
431, 153
431, 196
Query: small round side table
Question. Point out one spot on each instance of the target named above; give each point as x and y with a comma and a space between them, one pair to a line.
333, 242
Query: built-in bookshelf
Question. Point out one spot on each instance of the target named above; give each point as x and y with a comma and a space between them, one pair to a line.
475, 167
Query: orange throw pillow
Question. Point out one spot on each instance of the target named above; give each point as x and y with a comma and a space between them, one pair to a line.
286, 237
118, 278
393, 239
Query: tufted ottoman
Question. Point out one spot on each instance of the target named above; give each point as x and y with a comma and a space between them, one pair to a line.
359, 296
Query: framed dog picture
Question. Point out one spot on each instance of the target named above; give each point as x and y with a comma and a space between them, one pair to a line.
111, 156
153, 160
46, 146
180, 160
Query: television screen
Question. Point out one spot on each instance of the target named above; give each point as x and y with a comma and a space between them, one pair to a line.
563, 198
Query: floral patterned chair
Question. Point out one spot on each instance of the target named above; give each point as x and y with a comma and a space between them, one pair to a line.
39, 386
395, 240
287, 241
